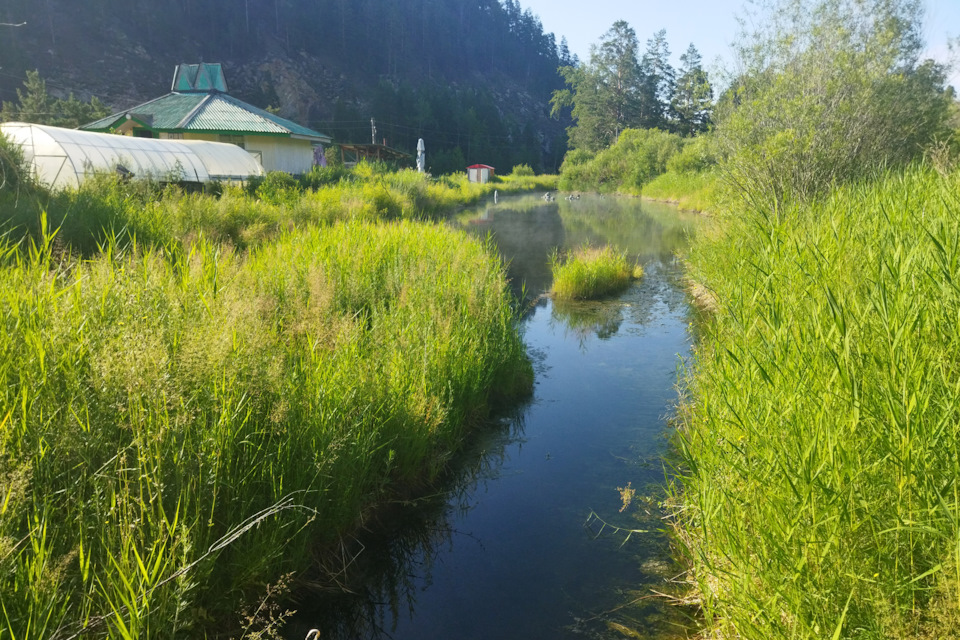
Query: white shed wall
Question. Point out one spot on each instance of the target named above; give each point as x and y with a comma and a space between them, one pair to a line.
282, 154
275, 153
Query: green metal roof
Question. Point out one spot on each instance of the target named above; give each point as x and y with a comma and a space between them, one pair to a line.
167, 112
199, 77
224, 112
212, 112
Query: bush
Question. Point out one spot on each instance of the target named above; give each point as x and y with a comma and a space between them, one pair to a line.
324, 176
278, 187
14, 172
698, 154
832, 91
638, 156
522, 170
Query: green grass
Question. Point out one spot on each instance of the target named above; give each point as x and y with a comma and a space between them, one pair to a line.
821, 447
591, 273
690, 190
200, 392
104, 208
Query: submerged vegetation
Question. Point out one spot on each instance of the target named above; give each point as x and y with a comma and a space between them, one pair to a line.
202, 392
591, 273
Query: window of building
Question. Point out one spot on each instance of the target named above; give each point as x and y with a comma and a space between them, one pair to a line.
237, 140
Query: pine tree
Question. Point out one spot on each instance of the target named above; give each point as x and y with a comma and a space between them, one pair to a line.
564, 53
605, 93
692, 103
659, 82
34, 104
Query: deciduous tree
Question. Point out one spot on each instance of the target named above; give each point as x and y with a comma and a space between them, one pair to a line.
830, 90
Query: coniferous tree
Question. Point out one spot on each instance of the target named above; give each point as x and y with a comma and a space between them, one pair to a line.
35, 105
604, 94
692, 102
564, 53
659, 82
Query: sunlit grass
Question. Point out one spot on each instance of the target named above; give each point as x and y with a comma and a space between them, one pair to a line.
591, 273
821, 450
223, 386
104, 207
691, 190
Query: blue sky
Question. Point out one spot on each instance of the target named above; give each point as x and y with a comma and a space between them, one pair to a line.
711, 25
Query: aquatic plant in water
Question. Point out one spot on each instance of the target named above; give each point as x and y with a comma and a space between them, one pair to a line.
591, 273
820, 449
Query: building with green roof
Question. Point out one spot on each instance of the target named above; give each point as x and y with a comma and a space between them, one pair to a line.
199, 108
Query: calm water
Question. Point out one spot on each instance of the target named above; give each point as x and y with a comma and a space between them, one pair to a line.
507, 551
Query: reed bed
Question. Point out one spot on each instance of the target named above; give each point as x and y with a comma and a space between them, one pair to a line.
820, 449
590, 273
157, 215
182, 422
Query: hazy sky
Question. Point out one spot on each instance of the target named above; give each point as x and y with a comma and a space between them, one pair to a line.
709, 24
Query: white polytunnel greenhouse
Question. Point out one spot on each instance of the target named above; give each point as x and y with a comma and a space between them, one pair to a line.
63, 158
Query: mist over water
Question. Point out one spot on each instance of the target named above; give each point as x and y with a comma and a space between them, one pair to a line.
506, 551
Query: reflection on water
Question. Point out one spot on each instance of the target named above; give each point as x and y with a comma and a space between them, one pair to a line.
527, 230
503, 551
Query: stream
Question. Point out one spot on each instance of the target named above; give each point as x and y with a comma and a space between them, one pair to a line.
528, 540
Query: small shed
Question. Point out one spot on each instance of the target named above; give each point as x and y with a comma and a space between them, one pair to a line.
479, 173
63, 158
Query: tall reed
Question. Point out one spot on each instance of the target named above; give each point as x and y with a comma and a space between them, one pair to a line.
180, 425
821, 447
104, 207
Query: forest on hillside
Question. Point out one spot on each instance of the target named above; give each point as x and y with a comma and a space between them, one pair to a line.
472, 77
443, 39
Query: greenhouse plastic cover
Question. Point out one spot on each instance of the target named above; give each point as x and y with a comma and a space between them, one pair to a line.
63, 158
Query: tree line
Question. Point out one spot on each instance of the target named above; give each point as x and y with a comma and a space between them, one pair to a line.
619, 89
445, 39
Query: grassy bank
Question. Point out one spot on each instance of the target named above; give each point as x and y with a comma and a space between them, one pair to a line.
689, 190
245, 217
821, 486
187, 416
652, 164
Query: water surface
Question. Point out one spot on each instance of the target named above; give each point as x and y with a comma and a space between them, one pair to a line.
511, 548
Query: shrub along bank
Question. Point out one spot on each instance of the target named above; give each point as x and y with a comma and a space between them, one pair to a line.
182, 422
820, 477
650, 163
